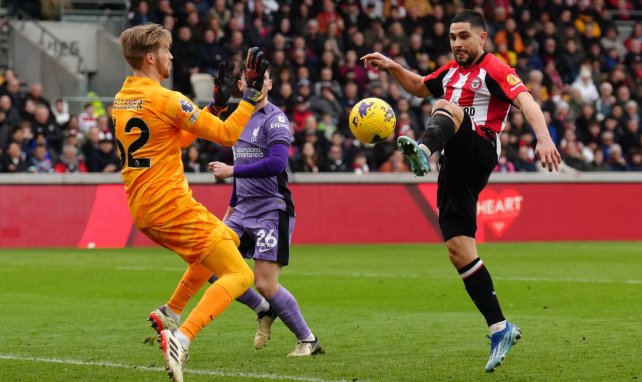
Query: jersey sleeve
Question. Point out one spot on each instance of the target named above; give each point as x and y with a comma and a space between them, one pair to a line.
201, 123
504, 83
434, 81
187, 138
278, 130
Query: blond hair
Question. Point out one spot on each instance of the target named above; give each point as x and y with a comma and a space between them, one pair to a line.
137, 41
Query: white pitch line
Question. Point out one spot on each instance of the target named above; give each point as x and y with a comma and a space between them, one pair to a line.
217, 373
413, 276
567, 280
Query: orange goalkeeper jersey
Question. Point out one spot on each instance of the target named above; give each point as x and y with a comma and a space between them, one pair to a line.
152, 125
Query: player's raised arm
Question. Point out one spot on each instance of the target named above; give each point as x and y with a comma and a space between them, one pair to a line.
545, 149
207, 126
412, 82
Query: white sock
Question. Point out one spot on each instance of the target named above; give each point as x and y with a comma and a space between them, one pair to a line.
496, 327
171, 314
264, 306
182, 338
309, 338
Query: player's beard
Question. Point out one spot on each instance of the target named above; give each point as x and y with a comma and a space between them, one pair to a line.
467, 61
164, 70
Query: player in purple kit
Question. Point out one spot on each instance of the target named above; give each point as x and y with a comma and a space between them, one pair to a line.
261, 212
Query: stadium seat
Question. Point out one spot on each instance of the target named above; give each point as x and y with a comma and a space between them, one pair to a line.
202, 84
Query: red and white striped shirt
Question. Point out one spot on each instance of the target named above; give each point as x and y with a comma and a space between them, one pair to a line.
485, 92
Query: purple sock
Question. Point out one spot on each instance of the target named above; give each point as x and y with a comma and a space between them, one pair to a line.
250, 298
285, 305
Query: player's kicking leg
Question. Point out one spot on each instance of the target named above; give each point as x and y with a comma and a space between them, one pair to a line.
446, 120
415, 154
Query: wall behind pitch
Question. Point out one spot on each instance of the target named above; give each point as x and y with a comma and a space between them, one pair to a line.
98, 216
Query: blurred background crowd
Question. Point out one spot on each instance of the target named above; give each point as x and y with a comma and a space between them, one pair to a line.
584, 71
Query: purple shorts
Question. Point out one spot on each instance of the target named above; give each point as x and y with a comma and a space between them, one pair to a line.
264, 237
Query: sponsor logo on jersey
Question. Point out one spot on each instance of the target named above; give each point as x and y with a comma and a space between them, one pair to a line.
475, 84
247, 152
281, 118
275, 125
513, 79
186, 106
194, 117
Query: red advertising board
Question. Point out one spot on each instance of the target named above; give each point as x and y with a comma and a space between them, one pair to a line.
98, 216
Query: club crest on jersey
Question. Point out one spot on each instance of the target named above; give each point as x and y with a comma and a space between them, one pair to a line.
186, 106
475, 84
255, 135
513, 79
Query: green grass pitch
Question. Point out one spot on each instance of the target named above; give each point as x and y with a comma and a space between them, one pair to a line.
383, 313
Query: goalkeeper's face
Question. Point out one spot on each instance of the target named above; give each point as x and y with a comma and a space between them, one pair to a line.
164, 62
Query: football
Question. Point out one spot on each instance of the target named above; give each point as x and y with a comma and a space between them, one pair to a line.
372, 120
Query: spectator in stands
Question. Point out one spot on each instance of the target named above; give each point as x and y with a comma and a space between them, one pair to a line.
5, 132
598, 163
45, 125
210, 52
616, 160
360, 163
327, 15
335, 162
194, 23
102, 123
192, 161
12, 115
395, 163
586, 87
605, 103
220, 11
70, 161
105, 159
13, 160
186, 61
524, 162
40, 161
610, 40
35, 94
60, 111
353, 71
504, 165
570, 60
142, 15
307, 160
635, 160
13, 91
87, 118
326, 102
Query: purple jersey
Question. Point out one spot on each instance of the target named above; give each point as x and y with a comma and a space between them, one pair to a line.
254, 196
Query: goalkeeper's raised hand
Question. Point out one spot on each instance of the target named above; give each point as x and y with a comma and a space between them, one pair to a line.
255, 68
224, 84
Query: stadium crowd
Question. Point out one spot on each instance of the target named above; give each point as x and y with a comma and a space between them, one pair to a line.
582, 70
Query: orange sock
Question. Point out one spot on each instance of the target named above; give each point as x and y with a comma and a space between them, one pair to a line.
234, 277
214, 301
192, 281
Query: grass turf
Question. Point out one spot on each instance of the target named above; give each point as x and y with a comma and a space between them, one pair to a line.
383, 313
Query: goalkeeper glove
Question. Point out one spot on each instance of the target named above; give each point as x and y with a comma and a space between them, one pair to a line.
224, 84
255, 68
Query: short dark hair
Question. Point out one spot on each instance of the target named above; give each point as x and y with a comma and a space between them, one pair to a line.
475, 19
